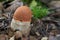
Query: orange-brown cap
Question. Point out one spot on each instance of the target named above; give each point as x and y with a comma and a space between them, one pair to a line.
23, 13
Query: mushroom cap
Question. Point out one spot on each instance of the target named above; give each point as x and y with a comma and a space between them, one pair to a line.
23, 13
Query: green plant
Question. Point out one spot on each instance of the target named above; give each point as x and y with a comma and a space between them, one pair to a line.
38, 11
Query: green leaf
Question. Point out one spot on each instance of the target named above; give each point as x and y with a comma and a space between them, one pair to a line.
33, 4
